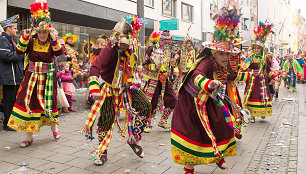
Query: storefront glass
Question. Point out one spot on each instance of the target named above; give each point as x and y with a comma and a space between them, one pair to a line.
86, 35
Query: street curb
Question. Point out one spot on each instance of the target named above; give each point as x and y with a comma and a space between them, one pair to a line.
301, 168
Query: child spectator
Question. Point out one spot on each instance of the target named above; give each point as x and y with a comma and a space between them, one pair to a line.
68, 87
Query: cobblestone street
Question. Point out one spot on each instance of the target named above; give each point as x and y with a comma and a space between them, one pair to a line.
276, 144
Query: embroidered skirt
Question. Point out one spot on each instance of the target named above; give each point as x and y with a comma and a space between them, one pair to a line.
190, 143
23, 120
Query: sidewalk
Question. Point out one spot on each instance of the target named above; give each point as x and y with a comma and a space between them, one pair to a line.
273, 145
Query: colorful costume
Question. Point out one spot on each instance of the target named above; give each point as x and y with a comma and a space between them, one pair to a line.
158, 87
71, 53
185, 60
278, 74
232, 86
257, 97
116, 68
202, 128
300, 77
292, 67
36, 104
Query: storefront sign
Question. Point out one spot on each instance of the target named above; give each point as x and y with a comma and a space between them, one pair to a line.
170, 24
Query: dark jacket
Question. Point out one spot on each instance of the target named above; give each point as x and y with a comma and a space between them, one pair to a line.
11, 64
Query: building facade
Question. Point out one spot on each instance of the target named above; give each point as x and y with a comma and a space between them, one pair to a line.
90, 18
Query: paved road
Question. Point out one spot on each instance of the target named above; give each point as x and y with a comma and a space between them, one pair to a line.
274, 145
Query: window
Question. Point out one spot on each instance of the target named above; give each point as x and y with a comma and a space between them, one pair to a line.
213, 10
149, 3
168, 7
245, 24
186, 12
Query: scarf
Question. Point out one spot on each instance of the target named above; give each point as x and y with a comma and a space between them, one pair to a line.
220, 71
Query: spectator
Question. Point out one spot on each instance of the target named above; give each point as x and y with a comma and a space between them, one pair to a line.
11, 67
100, 44
69, 89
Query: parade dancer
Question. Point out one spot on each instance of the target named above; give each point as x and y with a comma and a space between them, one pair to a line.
276, 68
158, 67
257, 98
299, 59
36, 104
115, 65
232, 85
185, 58
291, 68
202, 129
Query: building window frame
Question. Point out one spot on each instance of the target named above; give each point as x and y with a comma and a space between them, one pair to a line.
190, 9
145, 4
172, 6
148, 4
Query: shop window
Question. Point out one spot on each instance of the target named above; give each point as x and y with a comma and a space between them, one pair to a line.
187, 12
69, 29
58, 28
168, 7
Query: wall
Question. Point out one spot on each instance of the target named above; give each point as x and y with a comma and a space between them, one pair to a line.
196, 23
3, 9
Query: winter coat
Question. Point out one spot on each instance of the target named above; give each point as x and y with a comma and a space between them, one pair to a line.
65, 77
11, 64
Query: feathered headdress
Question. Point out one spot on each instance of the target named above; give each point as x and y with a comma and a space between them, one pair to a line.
136, 23
188, 37
129, 28
226, 30
155, 37
261, 33
40, 16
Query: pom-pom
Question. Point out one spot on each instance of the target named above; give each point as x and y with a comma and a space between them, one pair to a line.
155, 37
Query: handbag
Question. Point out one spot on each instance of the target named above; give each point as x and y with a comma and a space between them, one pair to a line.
61, 98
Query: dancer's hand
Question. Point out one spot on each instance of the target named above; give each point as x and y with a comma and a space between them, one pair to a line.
96, 95
157, 66
53, 34
214, 84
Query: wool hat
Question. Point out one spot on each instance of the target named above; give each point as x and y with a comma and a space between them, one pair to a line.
9, 22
